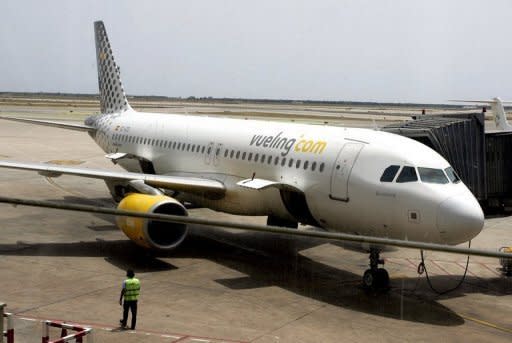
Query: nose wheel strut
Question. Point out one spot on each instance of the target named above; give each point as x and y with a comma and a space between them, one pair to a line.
375, 278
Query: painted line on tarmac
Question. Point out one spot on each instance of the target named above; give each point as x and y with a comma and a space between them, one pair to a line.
487, 267
485, 323
99, 326
440, 267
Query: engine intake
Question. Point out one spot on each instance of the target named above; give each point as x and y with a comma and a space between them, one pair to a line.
152, 233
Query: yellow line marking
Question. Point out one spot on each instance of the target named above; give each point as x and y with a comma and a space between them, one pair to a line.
483, 322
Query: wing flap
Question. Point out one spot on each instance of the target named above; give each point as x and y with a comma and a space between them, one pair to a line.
260, 184
206, 187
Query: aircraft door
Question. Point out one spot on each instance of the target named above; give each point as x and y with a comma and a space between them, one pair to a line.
342, 169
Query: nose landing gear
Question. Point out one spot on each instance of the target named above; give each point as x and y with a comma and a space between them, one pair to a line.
375, 278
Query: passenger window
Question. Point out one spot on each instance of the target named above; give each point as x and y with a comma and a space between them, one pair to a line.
431, 175
237, 155
297, 165
452, 175
263, 158
283, 161
408, 174
250, 157
389, 173
313, 166
290, 163
226, 153
188, 147
322, 165
269, 159
232, 153
209, 150
306, 163
256, 157
276, 160
174, 145
202, 149
243, 155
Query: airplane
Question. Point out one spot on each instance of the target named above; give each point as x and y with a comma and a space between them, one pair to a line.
500, 117
351, 181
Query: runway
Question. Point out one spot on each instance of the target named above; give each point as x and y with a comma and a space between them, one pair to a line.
221, 285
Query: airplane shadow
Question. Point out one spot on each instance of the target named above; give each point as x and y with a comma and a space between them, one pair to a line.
274, 260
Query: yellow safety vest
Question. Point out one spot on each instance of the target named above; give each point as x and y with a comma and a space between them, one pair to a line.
132, 288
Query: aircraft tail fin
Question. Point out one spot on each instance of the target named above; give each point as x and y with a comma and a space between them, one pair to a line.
500, 117
112, 96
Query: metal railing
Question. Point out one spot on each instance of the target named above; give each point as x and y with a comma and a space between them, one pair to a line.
9, 333
64, 337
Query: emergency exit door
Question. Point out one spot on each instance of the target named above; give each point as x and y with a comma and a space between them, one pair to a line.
342, 170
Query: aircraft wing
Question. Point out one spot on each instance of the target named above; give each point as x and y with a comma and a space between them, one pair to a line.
205, 187
77, 127
335, 236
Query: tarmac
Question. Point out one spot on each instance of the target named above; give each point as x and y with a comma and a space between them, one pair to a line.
221, 285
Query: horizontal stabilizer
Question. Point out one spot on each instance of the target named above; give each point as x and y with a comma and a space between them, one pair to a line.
77, 127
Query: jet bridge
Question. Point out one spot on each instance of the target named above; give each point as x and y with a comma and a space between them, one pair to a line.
482, 160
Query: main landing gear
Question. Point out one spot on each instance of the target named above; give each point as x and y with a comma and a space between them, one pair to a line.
375, 278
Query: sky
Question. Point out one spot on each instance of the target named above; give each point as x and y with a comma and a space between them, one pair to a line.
382, 50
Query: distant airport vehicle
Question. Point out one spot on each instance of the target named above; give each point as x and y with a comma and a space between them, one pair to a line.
498, 110
346, 180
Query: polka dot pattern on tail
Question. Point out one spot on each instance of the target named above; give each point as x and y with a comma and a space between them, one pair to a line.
112, 96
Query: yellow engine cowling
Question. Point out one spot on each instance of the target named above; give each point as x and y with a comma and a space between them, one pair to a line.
150, 233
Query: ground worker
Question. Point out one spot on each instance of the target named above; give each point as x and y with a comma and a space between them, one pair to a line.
130, 292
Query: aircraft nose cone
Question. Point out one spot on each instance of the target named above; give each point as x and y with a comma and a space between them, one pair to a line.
459, 219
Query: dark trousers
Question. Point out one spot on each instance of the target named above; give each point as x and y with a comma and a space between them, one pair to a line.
132, 306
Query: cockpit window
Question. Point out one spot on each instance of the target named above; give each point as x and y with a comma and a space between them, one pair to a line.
452, 175
431, 175
389, 173
408, 174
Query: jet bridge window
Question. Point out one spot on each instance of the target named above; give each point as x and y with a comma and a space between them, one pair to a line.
408, 174
389, 173
431, 175
452, 175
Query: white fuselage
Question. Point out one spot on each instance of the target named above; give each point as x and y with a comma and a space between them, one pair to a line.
337, 169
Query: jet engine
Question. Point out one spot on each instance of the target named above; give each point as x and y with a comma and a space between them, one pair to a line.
151, 233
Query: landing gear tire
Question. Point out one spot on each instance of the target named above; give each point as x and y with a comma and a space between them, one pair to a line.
369, 279
375, 278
